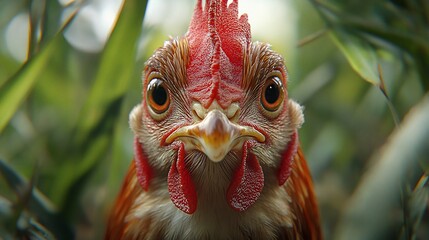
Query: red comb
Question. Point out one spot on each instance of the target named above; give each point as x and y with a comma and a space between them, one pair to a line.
217, 39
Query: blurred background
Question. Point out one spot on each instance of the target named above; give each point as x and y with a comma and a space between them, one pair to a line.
70, 75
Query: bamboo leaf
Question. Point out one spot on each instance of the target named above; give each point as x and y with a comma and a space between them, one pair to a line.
312, 37
29, 228
6, 214
361, 56
37, 204
116, 67
378, 195
94, 131
16, 89
417, 204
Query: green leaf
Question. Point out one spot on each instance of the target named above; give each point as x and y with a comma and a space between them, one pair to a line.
359, 53
6, 215
16, 89
29, 228
51, 23
417, 204
396, 165
37, 203
95, 129
116, 67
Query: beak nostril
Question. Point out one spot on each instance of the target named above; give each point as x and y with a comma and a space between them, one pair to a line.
196, 115
234, 117
233, 111
198, 111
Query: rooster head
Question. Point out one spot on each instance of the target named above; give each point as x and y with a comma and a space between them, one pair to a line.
215, 118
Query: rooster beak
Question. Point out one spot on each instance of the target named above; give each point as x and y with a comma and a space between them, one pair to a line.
215, 135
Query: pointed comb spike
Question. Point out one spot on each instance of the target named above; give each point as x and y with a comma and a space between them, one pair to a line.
224, 4
199, 5
234, 7
207, 6
217, 39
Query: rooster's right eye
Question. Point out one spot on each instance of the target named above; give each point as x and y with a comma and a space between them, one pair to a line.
272, 94
157, 96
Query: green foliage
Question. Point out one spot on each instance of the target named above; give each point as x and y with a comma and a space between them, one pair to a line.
74, 146
364, 88
395, 165
32, 212
377, 38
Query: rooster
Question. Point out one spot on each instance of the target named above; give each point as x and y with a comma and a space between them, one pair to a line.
217, 154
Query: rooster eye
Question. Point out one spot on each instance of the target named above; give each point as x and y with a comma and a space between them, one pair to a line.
157, 96
272, 94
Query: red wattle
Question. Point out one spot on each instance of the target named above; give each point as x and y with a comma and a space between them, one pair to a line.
247, 183
143, 169
180, 185
287, 157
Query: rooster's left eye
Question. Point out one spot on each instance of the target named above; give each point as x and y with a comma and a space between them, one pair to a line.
157, 96
272, 94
